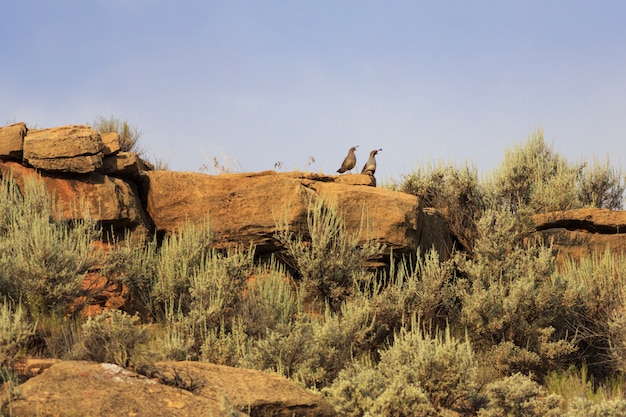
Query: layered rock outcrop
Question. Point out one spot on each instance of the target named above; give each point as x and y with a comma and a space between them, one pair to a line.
78, 164
583, 232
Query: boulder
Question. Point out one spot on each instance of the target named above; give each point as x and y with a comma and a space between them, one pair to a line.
64, 149
12, 141
583, 232
78, 388
248, 208
254, 392
112, 201
123, 164
111, 142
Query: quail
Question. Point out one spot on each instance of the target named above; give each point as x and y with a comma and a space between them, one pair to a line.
370, 166
349, 162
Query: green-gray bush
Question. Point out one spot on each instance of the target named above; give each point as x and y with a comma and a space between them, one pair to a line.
356, 389
289, 349
216, 287
16, 329
314, 350
129, 135
519, 396
455, 191
327, 257
43, 258
597, 284
443, 366
534, 176
180, 256
582, 407
352, 332
418, 374
400, 400
134, 264
228, 345
509, 293
270, 299
112, 336
425, 288
601, 186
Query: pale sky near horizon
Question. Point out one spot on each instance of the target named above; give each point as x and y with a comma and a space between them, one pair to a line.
258, 82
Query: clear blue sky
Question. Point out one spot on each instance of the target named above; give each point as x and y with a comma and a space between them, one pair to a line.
257, 82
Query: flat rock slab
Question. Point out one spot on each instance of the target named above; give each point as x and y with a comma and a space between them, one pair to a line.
64, 149
250, 208
254, 392
80, 388
583, 232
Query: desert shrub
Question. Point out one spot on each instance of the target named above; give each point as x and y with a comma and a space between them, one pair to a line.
362, 390
16, 330
399, 400
577, 383
171, 341
418, 374
60, 335
424, 287
534, 176
587, 408
509, 293
352, 332
269, 308
355, 390
216, 288
44, 259
228, 345
443, 366
326, 256
519, 396
313, 350
597, 282
601, 186
289, 349
133, 263
112, 336
186, 275
180, 256
129, 135
455, 191
269, 299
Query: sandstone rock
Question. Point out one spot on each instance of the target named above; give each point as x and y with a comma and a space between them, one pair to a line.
12, 141
77, 388
251, 391
112, 201
111, 142
583, 232
65, 149
123, 164
245, 208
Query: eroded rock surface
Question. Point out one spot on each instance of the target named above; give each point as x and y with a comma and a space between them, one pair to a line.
64, 149
12, 141
583, 232
249, 208
112, 201
79, 388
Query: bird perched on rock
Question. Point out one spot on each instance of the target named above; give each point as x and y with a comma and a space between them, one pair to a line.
370, 166
349, 162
